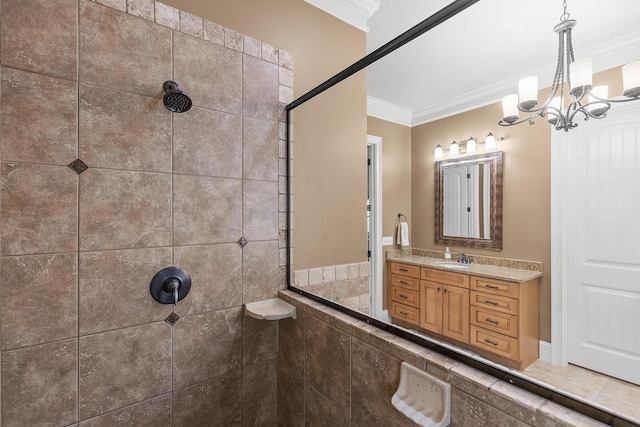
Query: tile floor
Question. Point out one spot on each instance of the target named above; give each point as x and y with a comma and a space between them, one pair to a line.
619, 396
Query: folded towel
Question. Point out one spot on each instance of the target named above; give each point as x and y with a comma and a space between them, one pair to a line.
403, 234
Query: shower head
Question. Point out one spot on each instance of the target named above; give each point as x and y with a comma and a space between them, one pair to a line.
174, 99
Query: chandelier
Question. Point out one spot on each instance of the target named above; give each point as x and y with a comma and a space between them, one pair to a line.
584, 99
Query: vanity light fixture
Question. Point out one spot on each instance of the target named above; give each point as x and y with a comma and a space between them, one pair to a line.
591, 102
468, 147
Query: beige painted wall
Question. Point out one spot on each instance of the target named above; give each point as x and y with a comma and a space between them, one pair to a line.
330, 131
396, 172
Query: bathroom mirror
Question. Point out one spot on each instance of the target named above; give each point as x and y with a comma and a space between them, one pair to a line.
468, 202
329, 225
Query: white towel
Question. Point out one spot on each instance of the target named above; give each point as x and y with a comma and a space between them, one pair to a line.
403, 234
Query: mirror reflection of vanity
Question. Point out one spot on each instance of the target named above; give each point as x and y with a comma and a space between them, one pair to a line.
468, 208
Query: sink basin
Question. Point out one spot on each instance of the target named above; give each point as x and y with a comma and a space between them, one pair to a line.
455, 265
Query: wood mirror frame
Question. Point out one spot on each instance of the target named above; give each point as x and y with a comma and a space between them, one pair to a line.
495, 225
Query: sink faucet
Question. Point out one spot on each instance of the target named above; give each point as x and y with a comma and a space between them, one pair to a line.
463, 259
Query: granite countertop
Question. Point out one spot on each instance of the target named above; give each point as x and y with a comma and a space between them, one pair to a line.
474, 269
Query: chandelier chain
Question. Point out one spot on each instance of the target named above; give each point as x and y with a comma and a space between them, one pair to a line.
565, 15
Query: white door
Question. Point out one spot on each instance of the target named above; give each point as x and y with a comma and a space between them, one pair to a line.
603, 245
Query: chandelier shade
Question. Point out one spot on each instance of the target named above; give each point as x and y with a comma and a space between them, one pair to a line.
562, 107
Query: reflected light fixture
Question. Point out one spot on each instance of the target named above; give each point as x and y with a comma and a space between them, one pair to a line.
466, 147
589, 101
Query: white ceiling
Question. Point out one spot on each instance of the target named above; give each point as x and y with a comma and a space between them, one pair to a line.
478, 56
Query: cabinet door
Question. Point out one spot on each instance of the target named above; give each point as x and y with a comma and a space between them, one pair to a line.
455, 313
431, 306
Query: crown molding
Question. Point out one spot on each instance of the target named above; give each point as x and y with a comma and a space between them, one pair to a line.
387, 111
353, 12
607, 55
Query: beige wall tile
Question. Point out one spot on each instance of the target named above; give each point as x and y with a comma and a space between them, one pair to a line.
39, 209
260, 271
209, 73
142, 8
233, 40
39, 121
285, 59
123, 210
260, 395
260, 94
39, 385
213, 32
327, 363
269, 53
321, 411
291, 370
260, 210
197, 150
155, 412
108, 37
115, 4
206, 210
216, 403
120, 130
206, 346
190, 24
114, 288
260, 149
252, 47
372, 392
33, 41
216, 277
124, 367
39, 299
466, 410
260, 341
167, 15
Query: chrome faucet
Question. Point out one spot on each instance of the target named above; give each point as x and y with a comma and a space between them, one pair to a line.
463, 259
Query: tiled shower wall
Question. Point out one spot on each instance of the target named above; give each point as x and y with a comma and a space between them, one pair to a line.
83, 343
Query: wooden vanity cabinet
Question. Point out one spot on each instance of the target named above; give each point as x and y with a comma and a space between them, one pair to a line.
444, 307
490, 316
504, 319
404, 292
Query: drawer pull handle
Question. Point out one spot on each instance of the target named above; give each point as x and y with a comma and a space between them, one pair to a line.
495, 322
403, 269
491, 287
404, 313
402, 296
403, 282
490, 302
490, 342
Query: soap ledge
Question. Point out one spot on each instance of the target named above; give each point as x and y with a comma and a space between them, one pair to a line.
270, 309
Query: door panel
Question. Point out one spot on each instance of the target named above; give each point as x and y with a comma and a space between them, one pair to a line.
603, 250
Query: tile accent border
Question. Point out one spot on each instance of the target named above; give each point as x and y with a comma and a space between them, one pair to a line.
346, 284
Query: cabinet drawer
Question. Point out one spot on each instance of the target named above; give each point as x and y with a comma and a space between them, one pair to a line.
495, 321
405, 270
495, 302
404, 312
495, 343
405, 296
446, 277
495, 287
406, 282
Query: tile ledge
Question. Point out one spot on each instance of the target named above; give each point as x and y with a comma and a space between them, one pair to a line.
270, 309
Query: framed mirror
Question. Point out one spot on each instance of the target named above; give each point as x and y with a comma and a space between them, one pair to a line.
468, 201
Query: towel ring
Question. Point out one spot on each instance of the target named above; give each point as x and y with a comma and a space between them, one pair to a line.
400, 215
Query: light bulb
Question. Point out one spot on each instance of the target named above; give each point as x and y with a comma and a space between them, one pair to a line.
471, 146
490, 142
439, 153
454, 150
